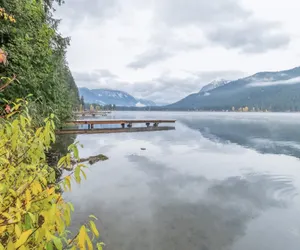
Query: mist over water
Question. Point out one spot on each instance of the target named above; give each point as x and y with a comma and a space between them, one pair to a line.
219, 181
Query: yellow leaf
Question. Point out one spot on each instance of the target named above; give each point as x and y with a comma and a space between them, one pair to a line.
10, 245
28, 196
38, 186
94, 229
23, 238
50, 190
82, 237
39, 130
89, 243
3, 160
44, 181
18, 203
7, 215
17, 230
2, 229
13, 192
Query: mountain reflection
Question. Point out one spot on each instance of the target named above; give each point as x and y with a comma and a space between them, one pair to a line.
263, 136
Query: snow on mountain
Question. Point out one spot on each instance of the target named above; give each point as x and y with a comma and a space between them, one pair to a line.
275, 91
139, 104
146, 102
214, 84
109, 96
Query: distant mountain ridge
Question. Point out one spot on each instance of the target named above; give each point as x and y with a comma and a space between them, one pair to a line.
110, 96
276, 91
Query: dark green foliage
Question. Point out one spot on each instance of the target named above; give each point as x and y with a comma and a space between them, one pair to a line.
36, 54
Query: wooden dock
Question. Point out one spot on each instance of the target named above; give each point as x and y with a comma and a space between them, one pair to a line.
113, 130
91, 113
123, 123
126, 126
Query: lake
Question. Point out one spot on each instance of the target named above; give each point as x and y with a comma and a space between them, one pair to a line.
219, 181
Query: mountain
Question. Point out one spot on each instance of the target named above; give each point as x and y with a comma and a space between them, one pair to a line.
275, 91
143, 103
109, 96
214, 84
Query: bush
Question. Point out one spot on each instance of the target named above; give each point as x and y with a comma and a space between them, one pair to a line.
33, 213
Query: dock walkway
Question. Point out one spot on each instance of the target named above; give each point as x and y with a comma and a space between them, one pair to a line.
126, 126
123, 123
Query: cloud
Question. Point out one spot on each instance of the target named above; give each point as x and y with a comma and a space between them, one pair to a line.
295, 80
149, 57
223, 22
198, 12
166, 43
249, 36
208, 76
184, 25
105, 73
163, 89
95, 78
77, 11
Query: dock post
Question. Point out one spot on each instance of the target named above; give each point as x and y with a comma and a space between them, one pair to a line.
89, 126
92, 126
123, 125
148, 124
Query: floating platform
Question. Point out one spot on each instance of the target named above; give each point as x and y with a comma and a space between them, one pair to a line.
113, 130
129, 123
91, 113
126, 126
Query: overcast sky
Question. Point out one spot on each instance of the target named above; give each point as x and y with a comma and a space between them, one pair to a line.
163, 50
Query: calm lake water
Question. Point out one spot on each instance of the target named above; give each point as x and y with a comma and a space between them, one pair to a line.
219, 181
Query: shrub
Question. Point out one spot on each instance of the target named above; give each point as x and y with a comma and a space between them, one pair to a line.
33, 213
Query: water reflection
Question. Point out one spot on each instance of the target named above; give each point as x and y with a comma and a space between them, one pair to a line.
190, 191
279, 136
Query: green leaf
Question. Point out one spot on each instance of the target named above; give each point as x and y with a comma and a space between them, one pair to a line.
57, 242
68, 181
75, 151
93, 217
71, 206
99, 246
49, 245
77, 174
83, 173
61, 162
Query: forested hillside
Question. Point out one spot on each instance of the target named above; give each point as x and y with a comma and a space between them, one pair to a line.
35, 52
272, 91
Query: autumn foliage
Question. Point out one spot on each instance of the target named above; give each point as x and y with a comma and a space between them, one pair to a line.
33, 213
